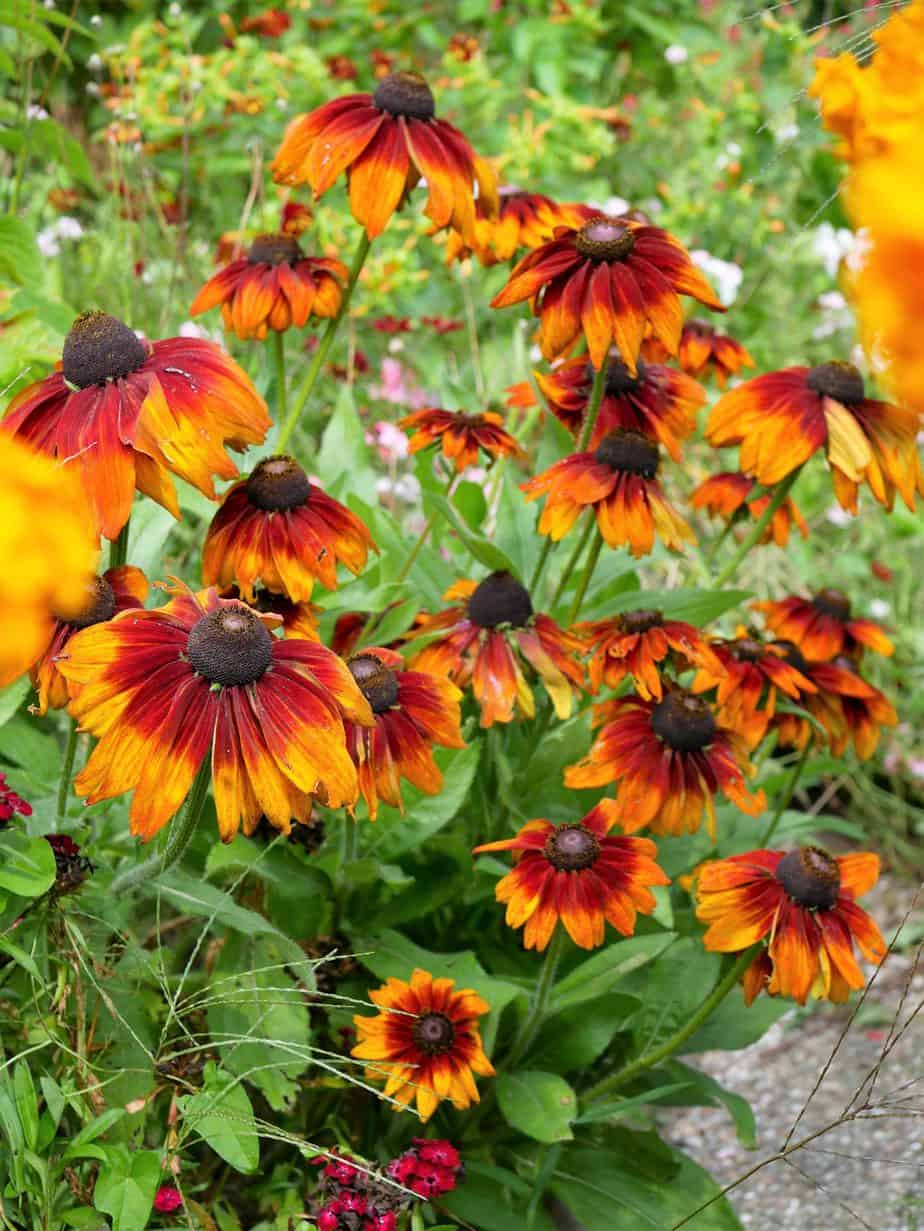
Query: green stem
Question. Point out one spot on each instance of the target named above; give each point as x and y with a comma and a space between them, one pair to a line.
349, 835
301, 398
118, 548
593, 407
540, 565
786, 797
67, 769
569, 568
181, 832
592, 557
782, 491
677, 1040
279, 367
545, 1168
540, 1003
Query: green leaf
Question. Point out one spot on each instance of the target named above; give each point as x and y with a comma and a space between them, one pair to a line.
609, 1111
27, 865
126, 1186
541, 1105
672, 990
694, 606
50, 141
601, 973
426, 815
701, 1090
493, 1199
516, 527
344, 458
20, 261
734, 1025
222, 1116
577, 1037
484, 551
12, 697
26, 1103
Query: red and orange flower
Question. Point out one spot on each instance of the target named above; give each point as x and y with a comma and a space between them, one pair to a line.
126, 413
608, 281
203, 677
521, 220
618, 481
387, 142
275, 286
280, 529
782, 418
635, 643
728, 495
669, 759
425, 1041
487, 637
412, 712
822, 626
578, 874
803, 903
459, 435
297, 619
705, 352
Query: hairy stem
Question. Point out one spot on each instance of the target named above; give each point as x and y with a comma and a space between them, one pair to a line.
181, 832
592, 557
67, 770
118, 548
540, 1001
279, 368
786, 797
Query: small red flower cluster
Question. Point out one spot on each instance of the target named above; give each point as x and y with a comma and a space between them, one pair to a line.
369, 1200
11, 803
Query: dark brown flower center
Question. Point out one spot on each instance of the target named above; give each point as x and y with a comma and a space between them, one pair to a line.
230, 647
405, 94
810, 877
278, 484
684, 722
377, 683
838, 380
834, 603
605, 239
702, 329
746, 649
629, 452
500, 599
619, 380
100, 348
433, 1033
274, 250
100, 605
571, 848
792, 655
641, 620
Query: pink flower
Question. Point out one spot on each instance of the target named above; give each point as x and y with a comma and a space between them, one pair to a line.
167, 1199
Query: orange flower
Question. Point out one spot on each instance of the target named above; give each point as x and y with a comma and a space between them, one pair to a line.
426, 1041
704, 352
657, 402
781, 419
617, 480
608, 282
202, 677
412, 712
297, 619
728, 495
126, 413
279, 528
669, 759
635, 642
459, 435
275, 286
487, 637
803, 903
822, 627
578, 874
387, 142
522, 220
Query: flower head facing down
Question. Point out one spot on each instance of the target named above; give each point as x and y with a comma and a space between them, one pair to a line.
425, 1041
486, 639
728, 495
204, 677
823, 626
127, 414
607, 282
521, 220
460, 436
705, 352
280, 529
387, 142
275, 286
669, 758
636, 643
579, 875
803, 903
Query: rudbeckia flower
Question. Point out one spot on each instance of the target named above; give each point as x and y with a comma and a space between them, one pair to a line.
656, 402
203, 676
459, 435
426, 1041
618, 481
704, 352
126, 413
50, 546
822, 626
728, 495
804, 904
412, 712
488, 636
387, 142
669, 759
275, 286
781, 419
521, 220
578, 874
118, 589
635, 643
607, 281
298, 619
279, 528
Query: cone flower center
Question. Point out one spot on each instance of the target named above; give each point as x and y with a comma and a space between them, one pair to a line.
500, 599
629, 452
834, 603
619, 380
702, 329
230, 647
684, 722
837, 380
571, 848
100, 348
792, 655
278, 484
642, 620
746, 649
100, 605
434, 1033
405, 94
605, 239
377, 683
810, 877
274, 250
